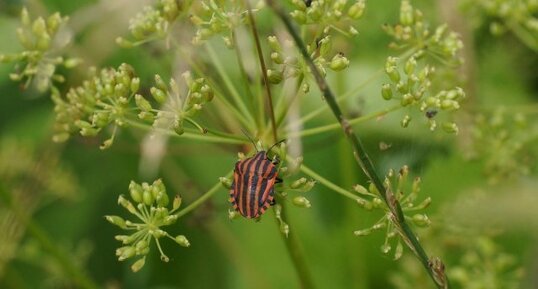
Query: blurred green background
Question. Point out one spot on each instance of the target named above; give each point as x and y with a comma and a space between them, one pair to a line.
55, 235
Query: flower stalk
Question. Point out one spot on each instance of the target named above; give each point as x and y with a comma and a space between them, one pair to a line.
359, 152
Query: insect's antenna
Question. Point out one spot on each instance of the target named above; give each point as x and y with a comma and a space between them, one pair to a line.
250, 138
278, 142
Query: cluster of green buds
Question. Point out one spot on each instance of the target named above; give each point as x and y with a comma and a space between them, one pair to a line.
329, 14
151, 208
216, 17
175, 109
397, 184
518, 16
100, 101
413, 33
152, 23
505, 142
37, 63
413, 91
286, 67
485, 265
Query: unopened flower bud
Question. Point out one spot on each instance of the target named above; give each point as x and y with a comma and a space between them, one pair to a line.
138, 264
115, 220
356, 10
182, 241
301, 202
339, 62
386, 91
275, 77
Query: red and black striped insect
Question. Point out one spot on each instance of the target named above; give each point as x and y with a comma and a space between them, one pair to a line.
252, 191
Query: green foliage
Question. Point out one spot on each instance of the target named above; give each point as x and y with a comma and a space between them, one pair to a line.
41, 42
267, 80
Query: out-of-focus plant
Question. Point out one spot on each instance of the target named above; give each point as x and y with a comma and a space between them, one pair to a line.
505, 141
42, 45
114, 98
517, 16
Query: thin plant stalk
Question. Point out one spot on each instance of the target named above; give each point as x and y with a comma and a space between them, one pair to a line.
436, 273
292, 244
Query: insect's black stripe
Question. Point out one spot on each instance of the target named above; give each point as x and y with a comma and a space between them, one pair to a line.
253, 183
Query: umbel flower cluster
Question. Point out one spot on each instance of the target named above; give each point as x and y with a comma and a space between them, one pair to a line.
107, 99
152, 23
151, 209
37, 62
412, 83
397, 184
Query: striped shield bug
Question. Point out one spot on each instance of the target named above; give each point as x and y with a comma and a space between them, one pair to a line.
252, 190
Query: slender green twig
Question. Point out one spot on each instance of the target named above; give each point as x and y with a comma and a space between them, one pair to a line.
264, 71
361, 156
217, 138
202, 198
292, 244
353, 121
328, 183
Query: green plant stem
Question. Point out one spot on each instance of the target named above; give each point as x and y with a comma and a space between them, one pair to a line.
292, 244
202, 198
359, 152
264, 71
328, 183
228, 83
528, 38
296, 253
64, 260
217, 138
354, 121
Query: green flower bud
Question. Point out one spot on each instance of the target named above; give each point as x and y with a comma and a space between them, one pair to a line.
315, 12
135, 84
162, 200
410, 66
182, 241
135, 191
147, 196
124, 43
25, 17
274, 44
386, 91
159, 95
363, 203
275, 77
325, 45
421, 220
72, 62
277, 57
339, 62
39, 28
284, 228
405, 121
141, 246
298, 16
232, 214
385, 248
305, 88
142, 103
227, 183
407, 99
126, 204
360, 189
115, 220
393, 73
448, 104
298, 183
138, 264
398, 252
450, 127
125, 253
176, 203
353, 31
207, 93
406, 13
356, 10
301, 202
159, 83
361, 233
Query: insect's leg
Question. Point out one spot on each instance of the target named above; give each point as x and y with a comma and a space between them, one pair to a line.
273, 202
278, 180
